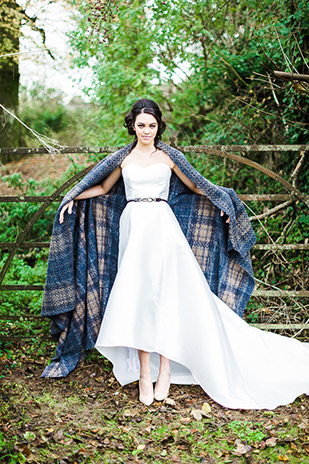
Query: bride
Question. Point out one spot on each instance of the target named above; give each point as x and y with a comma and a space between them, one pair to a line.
172, 309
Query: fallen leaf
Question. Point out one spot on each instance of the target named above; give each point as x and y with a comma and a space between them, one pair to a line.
169, 401
241, 449
81, 450
164, 453
175, 458
129, 413
141, 447
196, 413
283, 458
206, 409
271, 441
25, 450
124, 428
185, 420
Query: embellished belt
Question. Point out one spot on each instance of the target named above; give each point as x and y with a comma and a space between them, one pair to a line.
148, 199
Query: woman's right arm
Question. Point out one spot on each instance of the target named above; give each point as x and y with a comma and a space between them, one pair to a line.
92, 192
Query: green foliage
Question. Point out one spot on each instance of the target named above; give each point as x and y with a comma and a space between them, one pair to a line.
28, 266
224, 48
123, 71
209, 65
16, 215
43, 110
8, 453
248, 431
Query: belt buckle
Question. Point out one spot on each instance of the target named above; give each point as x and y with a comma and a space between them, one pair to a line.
149, 199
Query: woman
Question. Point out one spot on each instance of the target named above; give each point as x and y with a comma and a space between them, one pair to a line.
159, 306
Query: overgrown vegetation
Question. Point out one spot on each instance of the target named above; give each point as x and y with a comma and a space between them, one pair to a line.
28, 266
89, 418
43, 110
209, 64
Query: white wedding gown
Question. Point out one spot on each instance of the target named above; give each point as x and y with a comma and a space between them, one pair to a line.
161, 302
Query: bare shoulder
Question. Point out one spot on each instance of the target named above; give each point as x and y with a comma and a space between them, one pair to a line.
124, 162
161, 156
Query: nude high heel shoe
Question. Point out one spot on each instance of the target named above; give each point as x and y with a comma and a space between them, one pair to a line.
162, 387
145, 397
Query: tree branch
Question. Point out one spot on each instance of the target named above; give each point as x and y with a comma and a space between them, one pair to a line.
291, 76
298, 168
271, 211
40, 30
295, 182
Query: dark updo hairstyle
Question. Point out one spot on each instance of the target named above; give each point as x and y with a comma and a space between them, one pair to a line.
144, 106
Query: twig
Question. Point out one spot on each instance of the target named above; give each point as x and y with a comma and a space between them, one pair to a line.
230, 66
40, 30
300, 331
298, 168
273, 91
21, 53
52, 146
288, 62
295, 182
272, 210
278, 104
291, 123
269, 60
292, 76
301, 53
265, 79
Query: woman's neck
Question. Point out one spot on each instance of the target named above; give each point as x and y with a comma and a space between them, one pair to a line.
145, 150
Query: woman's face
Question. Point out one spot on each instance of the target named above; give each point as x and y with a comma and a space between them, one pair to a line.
146, 128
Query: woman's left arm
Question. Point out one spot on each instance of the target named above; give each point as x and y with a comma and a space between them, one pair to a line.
190, 184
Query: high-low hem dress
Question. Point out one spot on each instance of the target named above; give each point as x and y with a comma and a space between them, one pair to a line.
160, 302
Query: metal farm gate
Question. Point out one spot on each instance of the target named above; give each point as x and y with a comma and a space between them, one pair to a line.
229, 152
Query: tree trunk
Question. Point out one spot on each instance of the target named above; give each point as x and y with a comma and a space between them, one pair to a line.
10, 24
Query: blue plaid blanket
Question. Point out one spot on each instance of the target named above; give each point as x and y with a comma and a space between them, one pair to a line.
83, 254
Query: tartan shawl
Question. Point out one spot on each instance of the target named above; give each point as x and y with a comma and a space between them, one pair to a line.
83, 254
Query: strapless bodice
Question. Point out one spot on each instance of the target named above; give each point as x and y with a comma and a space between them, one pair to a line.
149, 181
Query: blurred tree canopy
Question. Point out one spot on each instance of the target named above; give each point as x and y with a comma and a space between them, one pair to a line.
209, 63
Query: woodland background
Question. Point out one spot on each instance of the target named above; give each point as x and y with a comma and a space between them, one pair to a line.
210, 65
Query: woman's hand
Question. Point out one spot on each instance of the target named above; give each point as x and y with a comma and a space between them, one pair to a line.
68, 206
222, 214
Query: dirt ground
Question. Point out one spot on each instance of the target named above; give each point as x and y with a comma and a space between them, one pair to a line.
37, 167
89, 418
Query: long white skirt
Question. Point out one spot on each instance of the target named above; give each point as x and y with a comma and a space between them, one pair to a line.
161, 303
